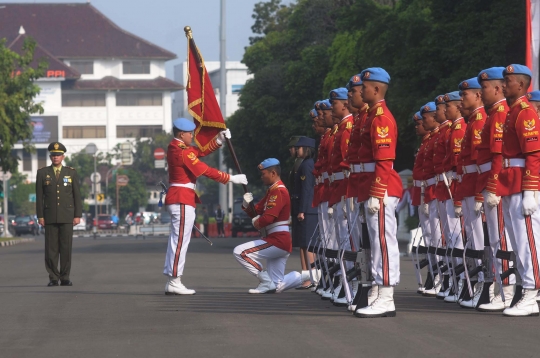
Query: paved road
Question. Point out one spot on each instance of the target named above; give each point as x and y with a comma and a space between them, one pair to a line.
117, 308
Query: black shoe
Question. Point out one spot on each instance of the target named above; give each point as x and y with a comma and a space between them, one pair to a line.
53, 283
66, 283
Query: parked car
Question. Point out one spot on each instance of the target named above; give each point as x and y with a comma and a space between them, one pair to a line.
25, 224
105, 222
81, 226
241, 221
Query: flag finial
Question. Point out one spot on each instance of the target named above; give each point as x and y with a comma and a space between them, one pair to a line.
188, 32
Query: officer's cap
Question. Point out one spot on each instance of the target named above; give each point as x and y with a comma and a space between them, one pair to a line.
293, 140
428, 107
534, 96
417, 117
267, 163
376, 74
452, 96
183, 124
305, 142
338, 93
313, 113
517, 70
56, 148
355, 81
493, 73
439, 99
325, 105
471, 83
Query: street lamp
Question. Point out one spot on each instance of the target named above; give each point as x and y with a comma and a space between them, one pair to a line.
92, 149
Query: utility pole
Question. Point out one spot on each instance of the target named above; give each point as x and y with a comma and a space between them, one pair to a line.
222, 98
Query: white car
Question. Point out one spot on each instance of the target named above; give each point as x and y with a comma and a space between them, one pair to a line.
81, 226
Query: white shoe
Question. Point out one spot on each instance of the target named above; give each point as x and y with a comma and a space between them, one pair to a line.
341, 302
420, 290
305, 276
497, 304
265, 284
383, 306
337, 290
174, 286
432, 292
454, 298
327, 295
373, 294
527, 306
478, 288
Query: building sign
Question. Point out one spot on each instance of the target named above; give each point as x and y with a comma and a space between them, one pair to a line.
48, 74
45, 129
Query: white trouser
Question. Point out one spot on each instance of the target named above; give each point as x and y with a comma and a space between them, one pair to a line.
524, 234
473, 228
355, 222
329, 237
343, 238
250, 254
382, 228
322, 213
435, 224
182, 220
453, 227
424, 224
498, 233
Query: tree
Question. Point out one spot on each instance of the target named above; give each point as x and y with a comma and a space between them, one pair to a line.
17, 91
132, 196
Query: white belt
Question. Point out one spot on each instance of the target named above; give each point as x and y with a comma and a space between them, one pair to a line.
484, 167
325, 175
417, 183
280, 226
363, 168
429, 182
450, 175
337, 176
186, 185
439, 177
468, 169
513, 162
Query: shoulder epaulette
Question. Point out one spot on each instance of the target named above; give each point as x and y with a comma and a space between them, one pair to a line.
182, 145
69, 167
380, 111
500, 109
458, 126
524, 105
478, 116
335, 130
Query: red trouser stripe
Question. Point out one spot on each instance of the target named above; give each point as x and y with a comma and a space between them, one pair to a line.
532, 247
180, 239
502, 237
246, 252
384, 247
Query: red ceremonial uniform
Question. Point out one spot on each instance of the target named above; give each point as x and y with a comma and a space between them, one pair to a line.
338, 187
471, 140
274, 207
417, 173
185, 167
453, 151
352, 156
439, 153
378, 142
318, 168
521, 140
428, 169
490, 150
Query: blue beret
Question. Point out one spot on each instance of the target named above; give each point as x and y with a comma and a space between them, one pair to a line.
355, 81
317, 105
417, 117
338, 93
428, 107
270, 162
452, 96
325, 104
313, 113
493, 73
305, 142
471, 83
517, 70
534, 96
185, 125
439, 99
375, 74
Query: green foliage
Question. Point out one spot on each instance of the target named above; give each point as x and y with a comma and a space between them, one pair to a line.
311, 47
131, 196
143, 158
19, 199
16, 99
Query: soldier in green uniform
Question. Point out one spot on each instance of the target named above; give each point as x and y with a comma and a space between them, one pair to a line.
58, 208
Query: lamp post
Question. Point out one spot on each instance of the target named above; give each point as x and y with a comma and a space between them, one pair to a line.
107, 189
91, 149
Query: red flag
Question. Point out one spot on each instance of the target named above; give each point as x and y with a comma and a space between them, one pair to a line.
202, 103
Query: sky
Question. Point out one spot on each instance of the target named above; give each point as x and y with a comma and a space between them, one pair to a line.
162, 23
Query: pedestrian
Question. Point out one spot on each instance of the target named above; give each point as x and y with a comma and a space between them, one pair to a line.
304, 215
220, 215
59, 209
271, 217
129, 220
184, 169
206, 222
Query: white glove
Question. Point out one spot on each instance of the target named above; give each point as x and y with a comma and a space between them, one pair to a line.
248, 198
492, 200
478, 205
529, 202
238, 179
425, 209
374, 205
255, 219
222, 135
330, 212
458, 211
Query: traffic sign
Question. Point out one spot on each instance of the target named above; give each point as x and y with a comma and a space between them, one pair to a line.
32, 198
101, 197
159, 153
122, 180
159, 163
97, 177
5, 176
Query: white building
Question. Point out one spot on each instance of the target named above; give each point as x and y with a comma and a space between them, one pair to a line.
103, 85
237, 75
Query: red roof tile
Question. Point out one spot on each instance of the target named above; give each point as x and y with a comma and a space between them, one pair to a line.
113, 83
75, 31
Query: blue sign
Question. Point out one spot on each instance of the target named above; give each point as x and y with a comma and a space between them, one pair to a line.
32, 198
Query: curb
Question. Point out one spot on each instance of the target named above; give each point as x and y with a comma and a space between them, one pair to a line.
15, 242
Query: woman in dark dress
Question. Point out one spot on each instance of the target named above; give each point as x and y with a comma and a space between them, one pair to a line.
304, 216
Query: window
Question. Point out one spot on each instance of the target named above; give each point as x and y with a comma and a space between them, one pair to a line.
136, 67
84, 131
237, 88
138, 99
83, 99
137, 131
41, 158
27, 161
83, 67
